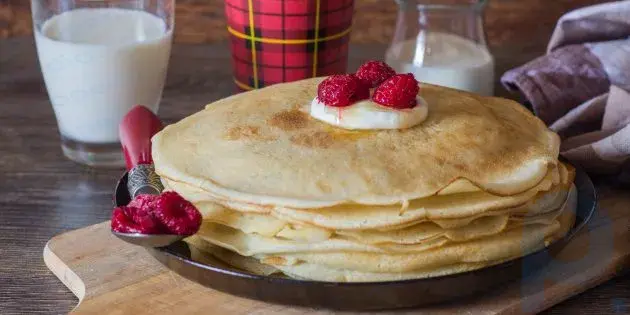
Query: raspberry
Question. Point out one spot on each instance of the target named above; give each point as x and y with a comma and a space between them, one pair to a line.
151, 214
127, 219
342, 90
144, 201
399, 91
147, 220
122, 223
177, 214
373, 73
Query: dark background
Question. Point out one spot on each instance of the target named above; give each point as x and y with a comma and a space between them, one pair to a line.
527, 23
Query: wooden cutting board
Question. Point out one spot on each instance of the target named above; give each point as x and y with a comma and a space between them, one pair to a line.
108, 275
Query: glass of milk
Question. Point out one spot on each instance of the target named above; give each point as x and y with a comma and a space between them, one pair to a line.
99, 58
443, 43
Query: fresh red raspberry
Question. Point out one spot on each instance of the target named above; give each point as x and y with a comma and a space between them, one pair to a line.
177, 214
399, 91
144, 201
373, 73
127, 219
147, 220
122, 223
342, 90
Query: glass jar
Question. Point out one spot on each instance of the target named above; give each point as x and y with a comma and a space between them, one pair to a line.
443, 43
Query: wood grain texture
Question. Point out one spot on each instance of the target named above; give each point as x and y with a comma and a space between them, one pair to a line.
201, 21
43, 194
106, 273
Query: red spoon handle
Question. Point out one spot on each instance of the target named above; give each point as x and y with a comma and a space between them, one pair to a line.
136, 130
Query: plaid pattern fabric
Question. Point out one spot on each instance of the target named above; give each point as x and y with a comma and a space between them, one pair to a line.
275, 41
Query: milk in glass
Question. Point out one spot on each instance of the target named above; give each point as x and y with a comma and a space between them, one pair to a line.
97, 64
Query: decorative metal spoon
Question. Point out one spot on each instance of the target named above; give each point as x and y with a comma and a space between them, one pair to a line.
136, 130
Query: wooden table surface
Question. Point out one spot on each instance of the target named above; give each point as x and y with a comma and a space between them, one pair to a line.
43, 194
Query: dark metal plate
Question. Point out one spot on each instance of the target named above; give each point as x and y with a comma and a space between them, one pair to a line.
364, 296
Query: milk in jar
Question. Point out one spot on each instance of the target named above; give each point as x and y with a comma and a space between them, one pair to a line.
445, 59
98, 63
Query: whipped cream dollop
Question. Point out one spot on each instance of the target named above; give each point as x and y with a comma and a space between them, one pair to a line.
367, 114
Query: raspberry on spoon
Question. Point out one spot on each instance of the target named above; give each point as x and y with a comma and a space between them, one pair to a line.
167, 213
399, 91
373, 73
147, 220
127, 219
342, 90
144, 201
178, 215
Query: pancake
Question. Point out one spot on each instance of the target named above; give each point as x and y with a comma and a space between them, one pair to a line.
280, 156
304, 233
265, 225
446, 210
420, 232
513, 243
308, 271
196, 194
431, 208
254, 244
311, 271
548, 217
415, 234
200, 250
516, 240
475, 184
421, 238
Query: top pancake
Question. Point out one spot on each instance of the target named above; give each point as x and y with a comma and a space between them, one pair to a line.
262, 147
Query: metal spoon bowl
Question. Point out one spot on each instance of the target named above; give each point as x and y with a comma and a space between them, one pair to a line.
148, 240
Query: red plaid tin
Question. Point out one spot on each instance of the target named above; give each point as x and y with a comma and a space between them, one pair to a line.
275, 41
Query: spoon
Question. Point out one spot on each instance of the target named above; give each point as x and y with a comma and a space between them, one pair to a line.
136, 130
148, 240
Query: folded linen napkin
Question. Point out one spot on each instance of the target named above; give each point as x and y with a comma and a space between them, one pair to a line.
580, 88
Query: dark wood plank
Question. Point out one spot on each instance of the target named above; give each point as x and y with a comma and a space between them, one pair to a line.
43, 194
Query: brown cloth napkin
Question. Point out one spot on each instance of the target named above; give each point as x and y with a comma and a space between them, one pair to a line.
581, 87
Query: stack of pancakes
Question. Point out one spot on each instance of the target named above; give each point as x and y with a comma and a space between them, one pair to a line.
477, 183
